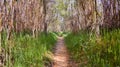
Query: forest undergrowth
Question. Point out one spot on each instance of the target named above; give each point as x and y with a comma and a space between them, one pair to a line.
25, 51
90, 51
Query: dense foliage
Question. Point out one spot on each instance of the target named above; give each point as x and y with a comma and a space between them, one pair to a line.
87, 50
27, 51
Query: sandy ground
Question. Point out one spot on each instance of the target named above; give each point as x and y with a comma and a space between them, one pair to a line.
61, 58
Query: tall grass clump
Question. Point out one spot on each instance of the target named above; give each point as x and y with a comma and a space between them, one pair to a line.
27, 51
91, 51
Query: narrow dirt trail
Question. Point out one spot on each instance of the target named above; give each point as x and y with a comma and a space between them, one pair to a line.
61, 57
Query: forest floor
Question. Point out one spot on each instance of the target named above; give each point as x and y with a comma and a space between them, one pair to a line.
61, 56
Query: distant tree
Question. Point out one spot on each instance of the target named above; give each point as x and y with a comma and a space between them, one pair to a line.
0, 31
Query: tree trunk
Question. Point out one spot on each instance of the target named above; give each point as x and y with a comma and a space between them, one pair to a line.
44, 20
97, 29
0, 32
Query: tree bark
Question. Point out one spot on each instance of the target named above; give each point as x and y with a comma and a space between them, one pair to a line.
44, 20
0, 32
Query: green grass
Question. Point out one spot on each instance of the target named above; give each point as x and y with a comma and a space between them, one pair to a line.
90, 51
61, 34
30, 52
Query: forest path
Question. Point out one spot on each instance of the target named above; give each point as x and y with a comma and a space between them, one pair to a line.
61, 57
